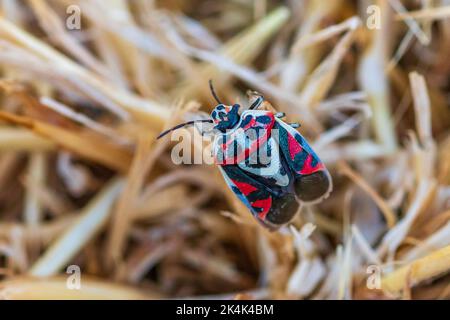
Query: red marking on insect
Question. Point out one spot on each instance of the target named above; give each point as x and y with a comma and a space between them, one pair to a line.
245, 188
245, 153
256, 144
250, 124
265, 205
294, 147
226, 144
308, 168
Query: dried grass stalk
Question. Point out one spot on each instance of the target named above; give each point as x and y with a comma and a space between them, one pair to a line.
92, 219
374, 81
17, 139
56, 289
87, 145
426, 268
84, 182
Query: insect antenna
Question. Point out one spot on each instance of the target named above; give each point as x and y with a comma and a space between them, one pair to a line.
181, 125
213, 92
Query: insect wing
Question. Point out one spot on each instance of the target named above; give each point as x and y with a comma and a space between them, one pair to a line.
271, 207
312, 179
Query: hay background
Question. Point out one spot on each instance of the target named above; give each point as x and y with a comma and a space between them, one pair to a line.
83, 180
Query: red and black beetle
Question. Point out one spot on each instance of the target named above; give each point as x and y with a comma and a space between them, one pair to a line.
265, 161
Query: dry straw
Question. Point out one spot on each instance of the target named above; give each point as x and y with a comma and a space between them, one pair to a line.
84, 182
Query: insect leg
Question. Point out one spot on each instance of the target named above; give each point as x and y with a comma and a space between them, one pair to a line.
259, 99
257, 103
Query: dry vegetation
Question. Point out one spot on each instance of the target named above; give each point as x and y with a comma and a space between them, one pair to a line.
83, 180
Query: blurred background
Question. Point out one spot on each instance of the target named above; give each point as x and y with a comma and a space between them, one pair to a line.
93, 207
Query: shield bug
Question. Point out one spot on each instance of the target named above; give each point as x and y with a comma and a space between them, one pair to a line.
265, 161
